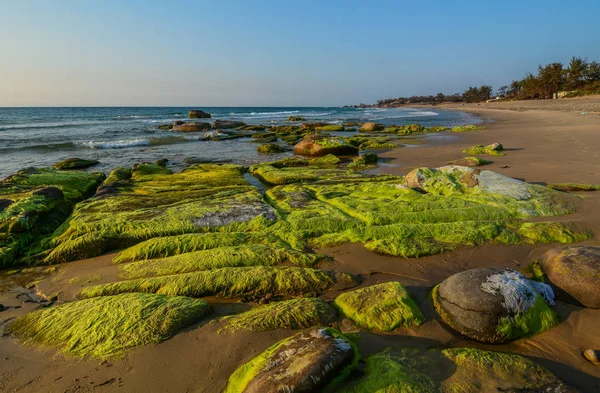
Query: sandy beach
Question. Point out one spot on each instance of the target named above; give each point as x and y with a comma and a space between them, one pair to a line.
545, 142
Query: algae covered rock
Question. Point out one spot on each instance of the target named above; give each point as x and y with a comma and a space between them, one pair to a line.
382, 307
570, 187
495, 149
270, 148
197, 126
468, 127
362, 161
109, 325
464, 370
330, 127
35, 202
329, 159
471, 162
576, 272
296, 118
198, 114
75, 163
225, 124
320, 145
287, 314
370, 127
306, 362
495, 306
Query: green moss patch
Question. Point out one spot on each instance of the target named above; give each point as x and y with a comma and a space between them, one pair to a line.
288, 314
569, 187
329, 159
108, 325
471, 161
382, 307
330, 127
270, 148
468, 127
230, 282
538, 318
362, 161
75, 163
480, 149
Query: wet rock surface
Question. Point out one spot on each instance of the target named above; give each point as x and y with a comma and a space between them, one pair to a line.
576, 272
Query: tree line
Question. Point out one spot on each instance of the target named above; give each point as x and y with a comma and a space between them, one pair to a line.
579, 77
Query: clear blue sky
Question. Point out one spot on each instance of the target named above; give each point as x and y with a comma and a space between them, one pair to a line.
278, 53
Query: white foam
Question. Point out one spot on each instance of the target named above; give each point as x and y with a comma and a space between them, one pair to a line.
114, 144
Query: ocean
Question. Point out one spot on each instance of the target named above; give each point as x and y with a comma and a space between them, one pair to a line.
120, 136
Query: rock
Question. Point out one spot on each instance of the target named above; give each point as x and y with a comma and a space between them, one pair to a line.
197, 160
495, 146
253, 128
75, 163
471, 162
192, 127
303, 363
363, 160
178, 122
576, 272
162, 162
320, 145
225, 124
50, 193
370, 126
4, 203
494, 305
592, 356
165, 127
313, 125
270, 148
382, 307
198, 114
296, 118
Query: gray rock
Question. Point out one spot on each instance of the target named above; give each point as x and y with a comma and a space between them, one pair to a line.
307, 362
475, 301
575, 271
192, 127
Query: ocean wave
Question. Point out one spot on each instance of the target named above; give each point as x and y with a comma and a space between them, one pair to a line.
50, 125
114, 144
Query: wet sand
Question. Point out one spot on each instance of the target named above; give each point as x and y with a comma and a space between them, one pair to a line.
542, 146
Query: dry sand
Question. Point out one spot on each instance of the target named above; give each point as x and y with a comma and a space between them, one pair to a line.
544, 145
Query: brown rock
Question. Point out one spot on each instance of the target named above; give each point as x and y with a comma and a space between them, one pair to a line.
225, 124
370, 126
198, 114
192, 127
320, 145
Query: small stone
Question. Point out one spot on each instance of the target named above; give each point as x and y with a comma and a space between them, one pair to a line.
592, 356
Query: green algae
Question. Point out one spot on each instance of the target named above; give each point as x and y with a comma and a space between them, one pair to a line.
155, 203
329, 159
229, 282
393, 371
75, 163
468, 127
538, 318
570, 187
471, 161
550, 232
107, 326
382, 307
236, 256
536, 271
288, 314
479, 370
480, 149
39, 200
330, 127
270, 148
362, 161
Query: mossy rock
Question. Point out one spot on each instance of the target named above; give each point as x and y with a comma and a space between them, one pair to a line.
330, 127
197, 126
75, 163
307, 362
495, 306
232, 282
362, 161
327, 160
165, 127
320, 145
296, 118
198, 114
382, 307
287, 314
471, 162
455, 370
226, 124
468, 127
36, 201
109, 325
495, 149
370, 127
576, 272
574, 187
270, 148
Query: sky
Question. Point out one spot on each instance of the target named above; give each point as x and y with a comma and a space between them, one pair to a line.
278, 53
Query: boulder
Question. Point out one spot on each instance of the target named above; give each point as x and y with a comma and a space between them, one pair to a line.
313, 125
370, 126
296, 118
75, 163
198, 114
225, 124
494, 305
192, 127
576, 272
320, 145
303, 363
270, 148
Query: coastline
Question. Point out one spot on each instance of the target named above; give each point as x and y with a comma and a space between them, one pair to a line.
542, 146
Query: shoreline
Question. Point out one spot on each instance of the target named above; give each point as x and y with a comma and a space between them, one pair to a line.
541, 147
